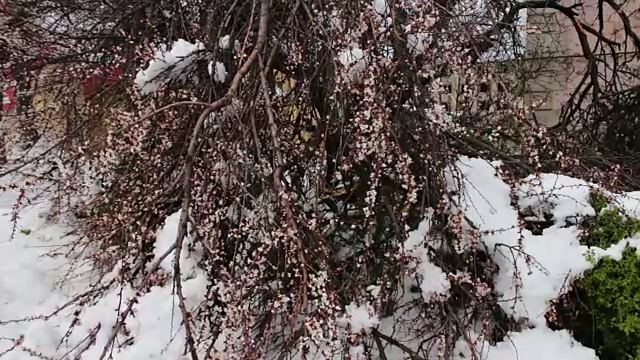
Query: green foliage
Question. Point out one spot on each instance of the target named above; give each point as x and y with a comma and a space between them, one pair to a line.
603, 311
598, 201
609, 226
613, 301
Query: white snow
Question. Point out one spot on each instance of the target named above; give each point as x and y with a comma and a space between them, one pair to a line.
567, 197
165, 239
355, 62
531, 344
381, 7
360, 317
541, 343
225, 43
418, 42
544, 264
534, 269
357, 352
219, 73
433, 281
374, 290
336, 23
167, 65
542, 273
31, 285
383, 12
27, 284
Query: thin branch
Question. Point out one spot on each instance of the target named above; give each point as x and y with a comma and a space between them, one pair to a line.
626, 23
397, 344
124, 315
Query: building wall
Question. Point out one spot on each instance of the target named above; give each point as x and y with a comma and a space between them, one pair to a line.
556, 52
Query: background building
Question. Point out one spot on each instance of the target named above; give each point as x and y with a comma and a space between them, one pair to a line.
555, 51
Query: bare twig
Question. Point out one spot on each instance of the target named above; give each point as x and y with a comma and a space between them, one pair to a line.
412, 354
125, 314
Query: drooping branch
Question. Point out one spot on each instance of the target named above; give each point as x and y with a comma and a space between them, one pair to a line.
626, 23
186, 196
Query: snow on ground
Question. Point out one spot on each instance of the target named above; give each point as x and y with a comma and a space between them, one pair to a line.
531, 344
28, 288
29, 285
534, 269
516, 251
434, 281
360, 317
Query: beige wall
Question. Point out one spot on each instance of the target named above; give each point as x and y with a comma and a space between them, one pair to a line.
557, 52
555, 64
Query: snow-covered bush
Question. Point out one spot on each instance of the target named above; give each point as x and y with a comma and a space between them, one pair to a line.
602, 308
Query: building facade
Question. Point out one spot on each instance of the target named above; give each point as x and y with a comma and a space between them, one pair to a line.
556, 55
